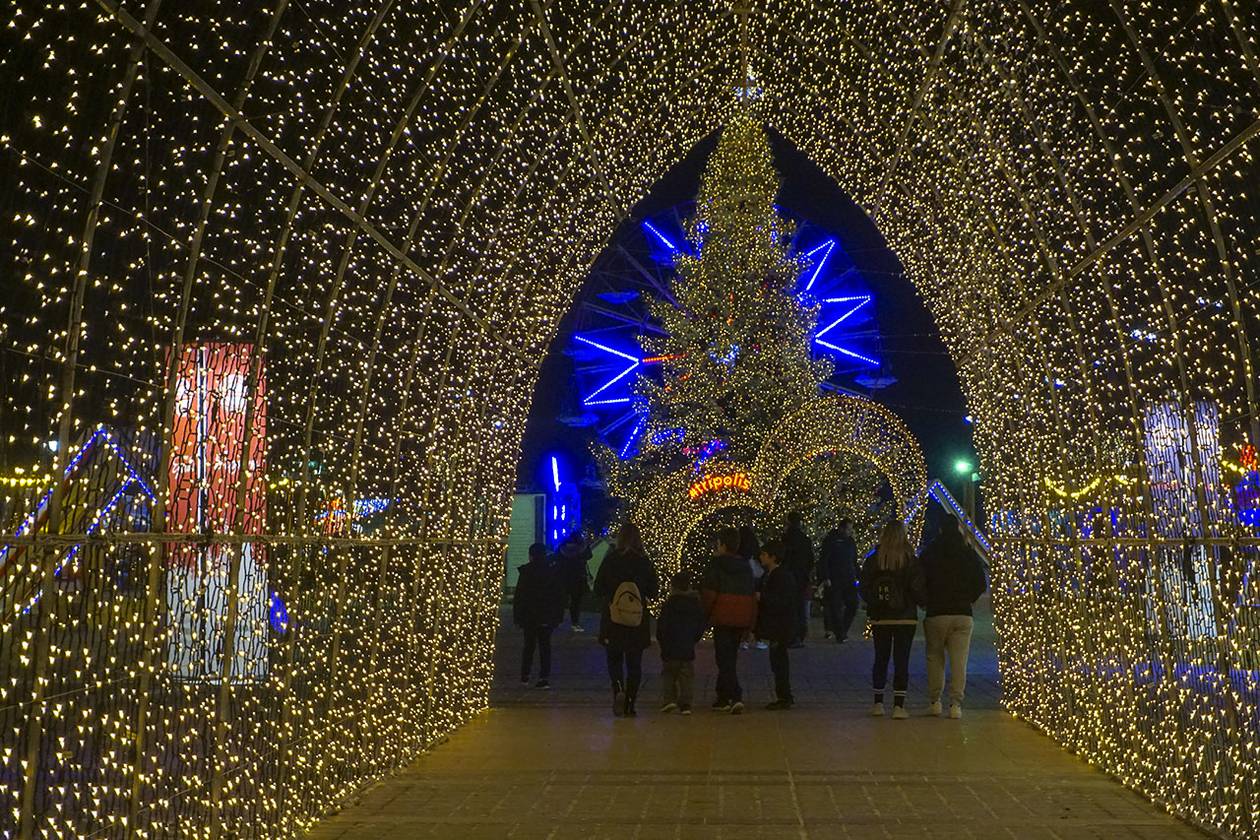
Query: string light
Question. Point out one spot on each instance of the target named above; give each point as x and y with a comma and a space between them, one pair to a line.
396, 204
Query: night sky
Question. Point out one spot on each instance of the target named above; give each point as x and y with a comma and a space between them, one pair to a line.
927, 395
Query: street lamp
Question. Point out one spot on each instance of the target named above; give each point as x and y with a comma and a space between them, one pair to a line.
962, 466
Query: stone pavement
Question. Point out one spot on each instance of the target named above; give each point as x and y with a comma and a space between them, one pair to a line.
556, 764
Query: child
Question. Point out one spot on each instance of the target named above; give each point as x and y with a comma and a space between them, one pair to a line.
677, 630
537, 607
777, 619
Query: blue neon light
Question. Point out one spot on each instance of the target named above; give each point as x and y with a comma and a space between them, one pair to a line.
634, 433
652, 229
555, 474
846, 352
606, 348
828, 245
862, 300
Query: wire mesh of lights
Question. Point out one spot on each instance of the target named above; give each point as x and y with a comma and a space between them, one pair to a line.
395, 203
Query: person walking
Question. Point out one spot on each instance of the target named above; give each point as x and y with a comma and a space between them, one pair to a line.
730, 606
838, 576
677, 630
953, 579
625, 583
537, 608
799, 559
573, 557
776, 620
891, 588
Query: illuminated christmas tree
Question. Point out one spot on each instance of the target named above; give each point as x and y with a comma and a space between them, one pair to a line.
735, 356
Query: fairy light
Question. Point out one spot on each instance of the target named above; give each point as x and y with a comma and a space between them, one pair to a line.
398, 202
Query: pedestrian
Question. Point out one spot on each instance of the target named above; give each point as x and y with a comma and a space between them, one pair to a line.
573, 557
537, 608
625, 583
891, 588
730, 606
677, 630
799, 559
838, 576
776, 620
953, 579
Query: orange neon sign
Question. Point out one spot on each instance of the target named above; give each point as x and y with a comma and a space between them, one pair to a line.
714, 483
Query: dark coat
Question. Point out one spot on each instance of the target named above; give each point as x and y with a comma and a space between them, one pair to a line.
573, 559
837, 560
729, 593
539, 597
617, 568
680, 626
777, 609
799, 555
952, 575
911, 580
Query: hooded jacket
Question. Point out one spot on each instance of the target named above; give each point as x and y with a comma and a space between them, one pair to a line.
728, 593
953, 576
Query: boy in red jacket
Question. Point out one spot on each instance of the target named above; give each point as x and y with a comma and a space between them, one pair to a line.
729, 596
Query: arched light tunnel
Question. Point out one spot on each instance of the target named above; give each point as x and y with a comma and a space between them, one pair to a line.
299, 263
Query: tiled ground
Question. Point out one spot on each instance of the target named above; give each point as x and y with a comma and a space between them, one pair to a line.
555, 764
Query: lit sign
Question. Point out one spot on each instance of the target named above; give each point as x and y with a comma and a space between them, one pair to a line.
713, 483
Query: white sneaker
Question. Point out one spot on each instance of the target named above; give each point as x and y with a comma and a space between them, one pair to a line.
877, 710
763, 645
900, 713
934, 709
577, 628
955, 711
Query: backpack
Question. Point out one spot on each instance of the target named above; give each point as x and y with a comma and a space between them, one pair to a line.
626, 607
888, 591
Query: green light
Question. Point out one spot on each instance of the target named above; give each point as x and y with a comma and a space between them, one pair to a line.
962, 466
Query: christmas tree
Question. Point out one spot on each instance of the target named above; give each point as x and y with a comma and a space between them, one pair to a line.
736, 354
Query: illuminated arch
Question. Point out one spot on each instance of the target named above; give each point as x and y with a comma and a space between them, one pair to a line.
397, 200
837, 423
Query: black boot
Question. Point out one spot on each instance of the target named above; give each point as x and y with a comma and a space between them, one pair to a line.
619, 699
632, 691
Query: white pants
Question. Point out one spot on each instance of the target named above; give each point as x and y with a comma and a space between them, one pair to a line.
947, 633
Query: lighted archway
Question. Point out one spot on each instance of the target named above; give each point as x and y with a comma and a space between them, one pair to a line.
837, 423
396, 200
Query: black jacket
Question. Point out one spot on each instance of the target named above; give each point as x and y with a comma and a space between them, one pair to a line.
910, 578
800, 555
680, 626
617, 568
539, 597
572, 559
837, 560
778, 607
952, 575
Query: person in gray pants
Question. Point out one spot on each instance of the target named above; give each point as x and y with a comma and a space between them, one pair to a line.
677, 630
953, 580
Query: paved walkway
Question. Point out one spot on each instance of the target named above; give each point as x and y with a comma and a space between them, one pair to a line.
555, 764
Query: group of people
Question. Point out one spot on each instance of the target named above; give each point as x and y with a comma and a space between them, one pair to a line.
761, 591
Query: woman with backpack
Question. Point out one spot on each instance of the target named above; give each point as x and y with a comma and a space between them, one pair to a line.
891, 586
625, 583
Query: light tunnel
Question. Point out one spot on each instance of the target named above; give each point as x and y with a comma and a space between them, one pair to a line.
298, 255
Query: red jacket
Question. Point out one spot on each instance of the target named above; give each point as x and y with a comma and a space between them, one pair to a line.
729, 593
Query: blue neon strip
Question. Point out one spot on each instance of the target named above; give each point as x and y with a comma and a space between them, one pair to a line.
617, 401
606, 348
634, 433
831, 243
555, 473
611, 382
652, 228
863, 300
840, 349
